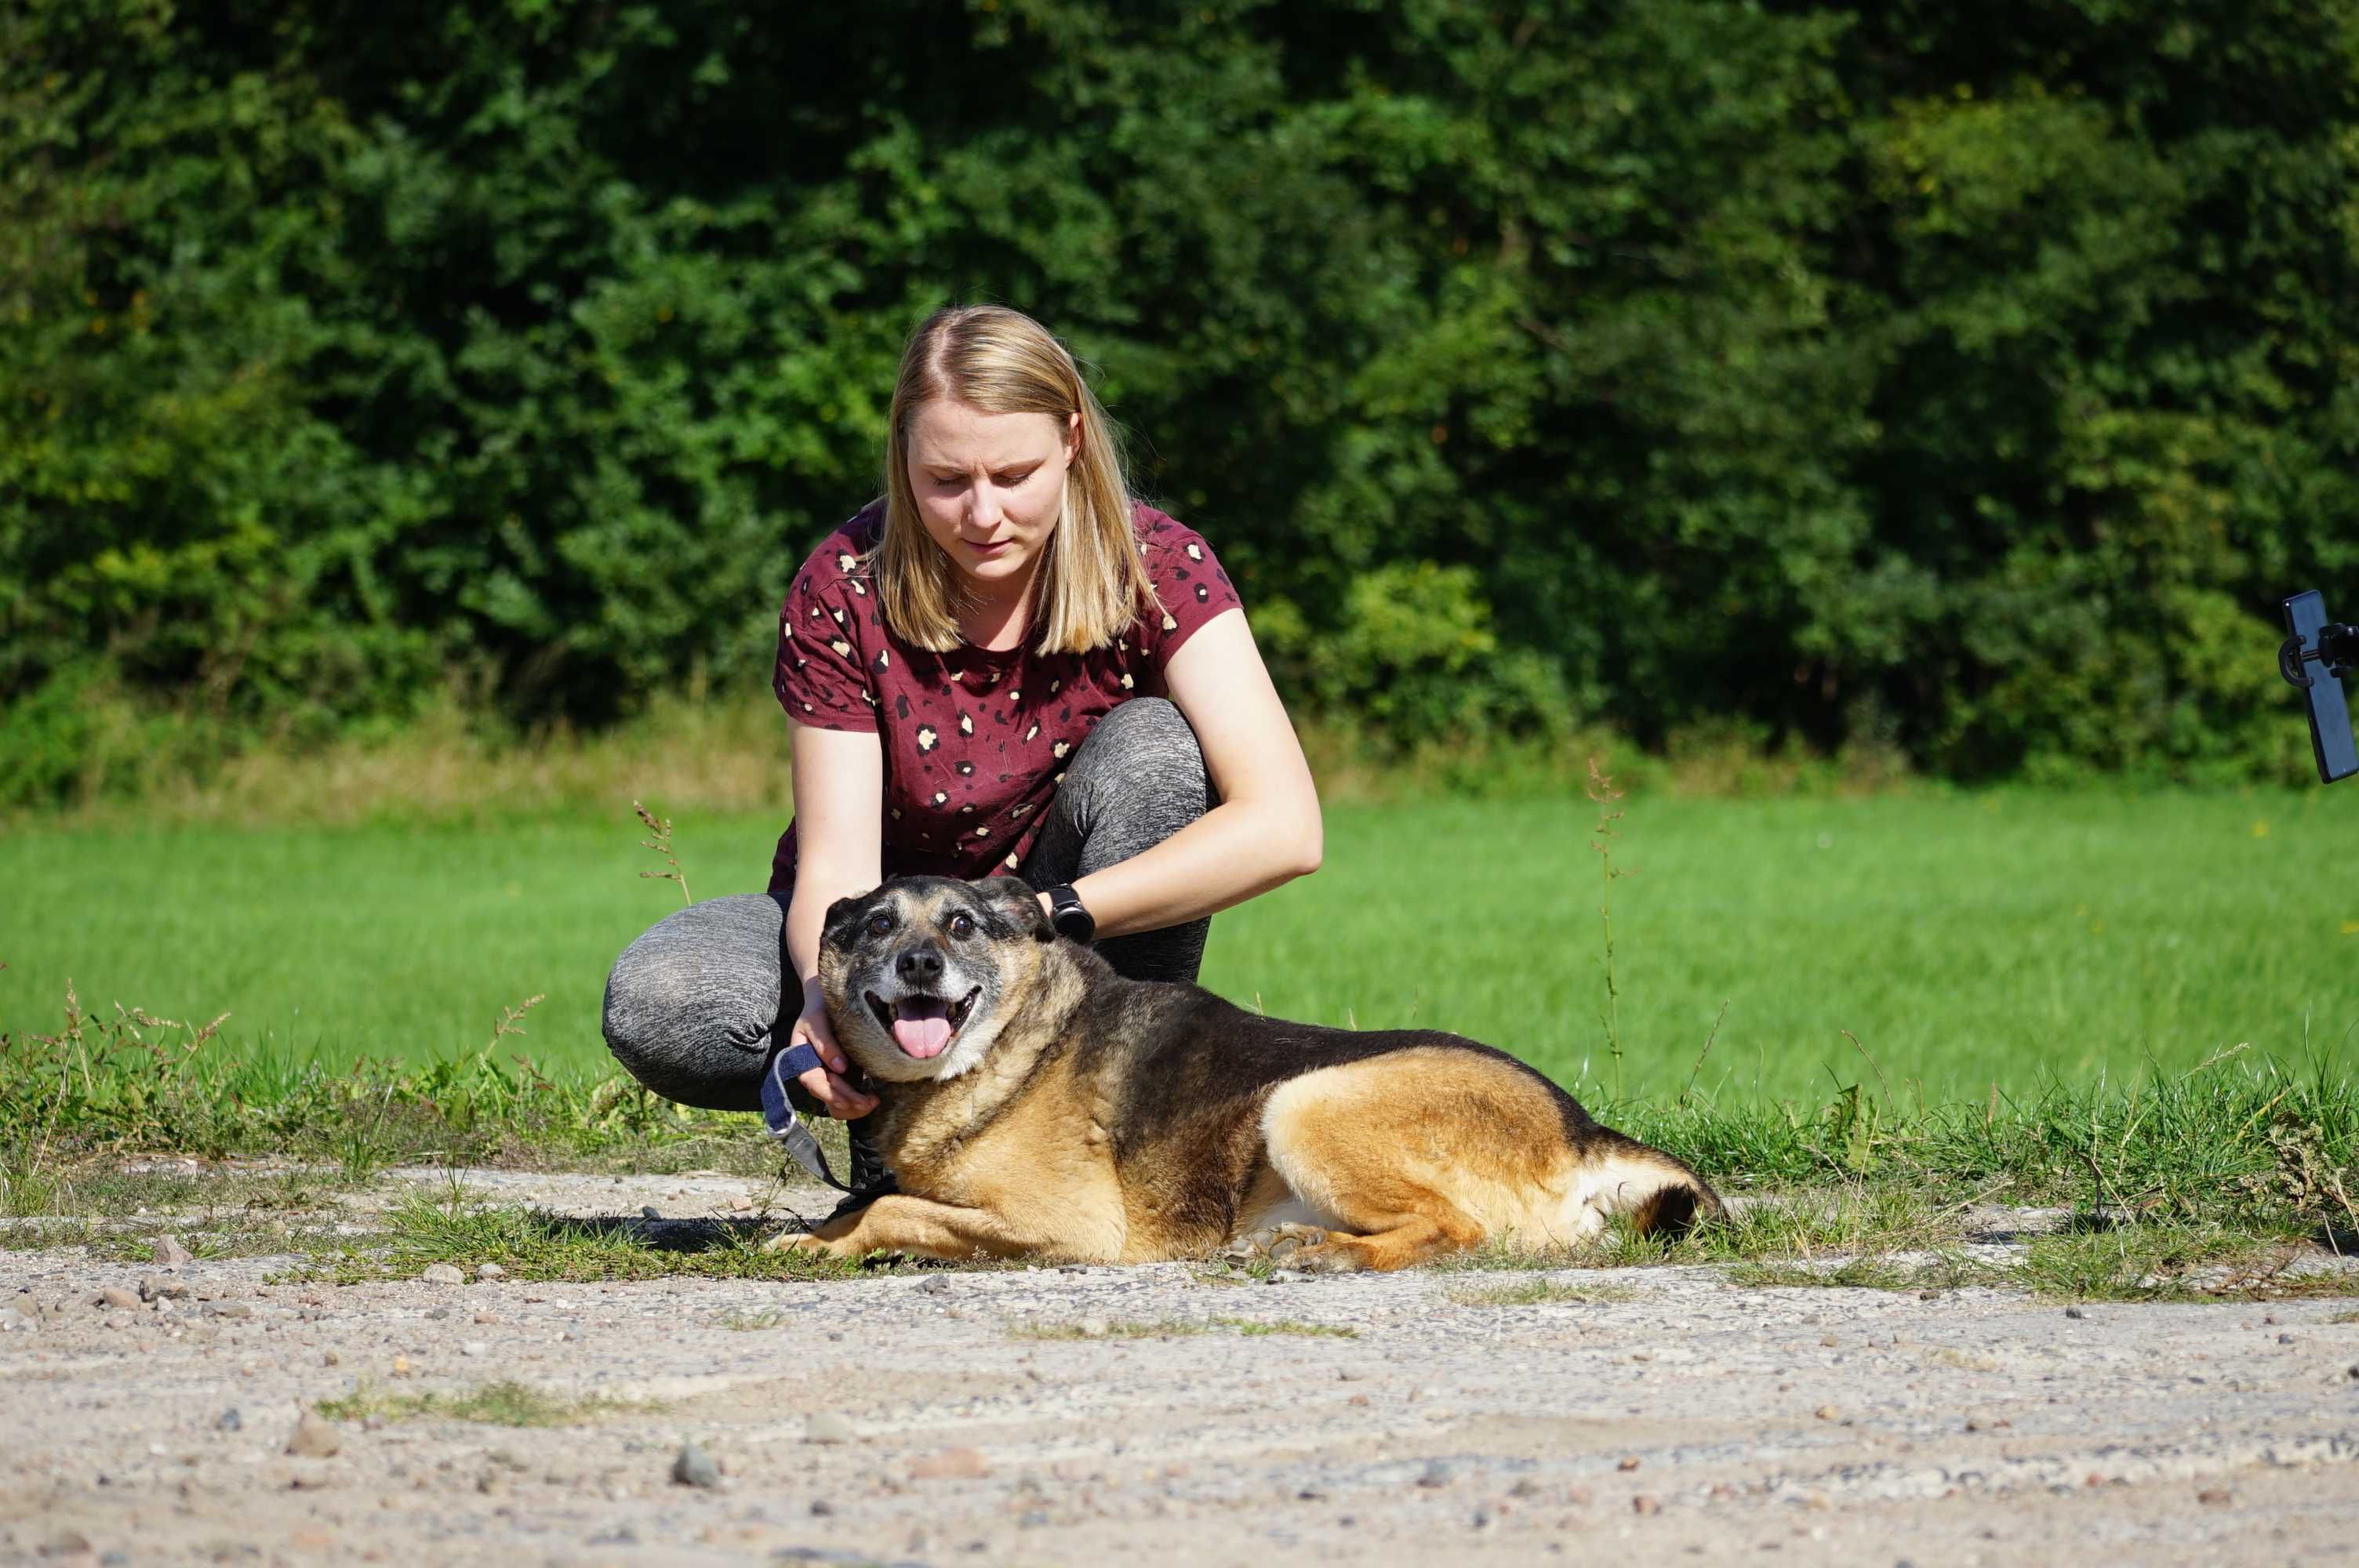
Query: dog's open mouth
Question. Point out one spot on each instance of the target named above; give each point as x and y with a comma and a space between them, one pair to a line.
922, 1025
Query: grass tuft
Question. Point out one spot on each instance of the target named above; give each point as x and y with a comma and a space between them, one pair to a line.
502, 1403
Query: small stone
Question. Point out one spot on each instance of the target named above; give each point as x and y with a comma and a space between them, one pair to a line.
2074, 1311
73, 1543
951, 1463
1350, 1375
2215, 1496
1630, 1461
487, 1317
1285, 1277
1436, 1474
650, 1211
1829, 1339
230, 1420
741, 1203
694, 1468
117, 1297
314, 1438
822, 1508
1826, 1413
228, 1309
474, 1347
442, 1274
1643, 1504
1358, 1400
490, 1271
168, 1253
2284, 1339
155, 1287
826, 1426
1032, 1518
14, 1322
1094, 1327
934, 1285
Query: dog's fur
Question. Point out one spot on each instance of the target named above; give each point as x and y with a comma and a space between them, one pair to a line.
1075, 1115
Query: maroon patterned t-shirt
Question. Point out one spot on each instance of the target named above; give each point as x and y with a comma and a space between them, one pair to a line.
975, 740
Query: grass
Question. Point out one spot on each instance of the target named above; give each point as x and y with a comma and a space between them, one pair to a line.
493, 1404
1176, 1327
2015, 939
1536, 1293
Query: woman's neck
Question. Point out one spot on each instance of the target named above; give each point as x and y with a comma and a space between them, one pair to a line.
999, 623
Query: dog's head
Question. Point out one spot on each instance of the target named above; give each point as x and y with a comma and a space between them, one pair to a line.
921, 975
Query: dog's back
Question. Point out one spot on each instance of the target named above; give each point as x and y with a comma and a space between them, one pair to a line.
1400, 1142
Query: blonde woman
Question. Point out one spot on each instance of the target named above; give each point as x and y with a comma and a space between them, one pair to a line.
1005, 665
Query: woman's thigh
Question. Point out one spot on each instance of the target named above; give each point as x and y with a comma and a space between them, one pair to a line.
1136, 781
690, 1006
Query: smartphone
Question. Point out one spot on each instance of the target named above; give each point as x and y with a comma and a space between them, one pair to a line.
2330, 711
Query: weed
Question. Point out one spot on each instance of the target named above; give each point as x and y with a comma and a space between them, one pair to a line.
660, 826
1601, 791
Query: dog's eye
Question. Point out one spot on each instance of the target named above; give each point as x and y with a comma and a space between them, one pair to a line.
961, 925
879, 924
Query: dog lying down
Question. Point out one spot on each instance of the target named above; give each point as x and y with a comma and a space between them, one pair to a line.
1035, 1104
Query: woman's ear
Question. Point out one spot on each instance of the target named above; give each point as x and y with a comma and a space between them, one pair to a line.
1073, 435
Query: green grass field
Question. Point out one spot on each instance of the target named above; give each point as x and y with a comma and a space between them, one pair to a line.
2009, 938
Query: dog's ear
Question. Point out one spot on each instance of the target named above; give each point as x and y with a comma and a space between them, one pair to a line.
843, 914
1014, 899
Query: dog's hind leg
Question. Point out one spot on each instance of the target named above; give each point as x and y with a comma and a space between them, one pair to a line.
1347, 1146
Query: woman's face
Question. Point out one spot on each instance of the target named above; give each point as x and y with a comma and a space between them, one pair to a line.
990, 488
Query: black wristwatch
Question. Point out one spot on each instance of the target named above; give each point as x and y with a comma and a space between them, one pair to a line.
1066, 913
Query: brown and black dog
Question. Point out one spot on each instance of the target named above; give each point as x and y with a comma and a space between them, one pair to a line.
1035, 1104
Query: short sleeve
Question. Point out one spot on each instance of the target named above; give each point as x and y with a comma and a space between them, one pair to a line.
821, 679
1188, 579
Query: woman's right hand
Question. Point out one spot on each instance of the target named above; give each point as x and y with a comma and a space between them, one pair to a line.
830, 1085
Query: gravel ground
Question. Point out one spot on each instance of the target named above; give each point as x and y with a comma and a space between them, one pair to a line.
937, 1418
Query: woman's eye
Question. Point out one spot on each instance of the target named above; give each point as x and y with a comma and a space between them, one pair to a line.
878, 925
1010, 480
961, 925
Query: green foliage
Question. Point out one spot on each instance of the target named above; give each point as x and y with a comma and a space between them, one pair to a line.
1962, 381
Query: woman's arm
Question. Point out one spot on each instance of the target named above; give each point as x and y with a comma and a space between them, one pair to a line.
1265, 831
839, 779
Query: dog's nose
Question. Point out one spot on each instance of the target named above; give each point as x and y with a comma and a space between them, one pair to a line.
920, 965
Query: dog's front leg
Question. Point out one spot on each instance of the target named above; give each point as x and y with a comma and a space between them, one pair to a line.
920, 1227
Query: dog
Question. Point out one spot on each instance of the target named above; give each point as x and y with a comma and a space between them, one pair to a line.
1035, 1104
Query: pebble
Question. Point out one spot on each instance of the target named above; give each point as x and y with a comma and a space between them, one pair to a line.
1826, 1413
314, 1438
117, 1296
474, 1347
1436, 1474
168, 1253
650, 1211
230, 1422
826, 1426
1285, 1277
490, 1271
155, 1287
935, 1285
1094, 1327
442, 1274
228, 1309
694, 1468
951, 1463
14, 1322
2074, 1311
822, 1508
1644, 1504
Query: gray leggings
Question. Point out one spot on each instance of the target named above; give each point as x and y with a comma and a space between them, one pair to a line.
692, 1004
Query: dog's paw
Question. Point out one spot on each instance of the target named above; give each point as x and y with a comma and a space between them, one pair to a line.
801, 1241
1280, 1244
1333, 1255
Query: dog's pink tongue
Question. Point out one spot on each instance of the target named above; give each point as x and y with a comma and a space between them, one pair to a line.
922, 1037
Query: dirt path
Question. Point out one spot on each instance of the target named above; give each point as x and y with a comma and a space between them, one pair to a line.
937, 1418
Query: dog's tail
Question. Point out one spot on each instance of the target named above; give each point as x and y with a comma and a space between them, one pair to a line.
1660, 1193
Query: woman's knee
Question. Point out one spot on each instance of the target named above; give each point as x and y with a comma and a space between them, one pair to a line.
1142, 755
690, 1005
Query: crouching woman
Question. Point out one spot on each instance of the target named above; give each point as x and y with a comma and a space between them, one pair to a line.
1005, 665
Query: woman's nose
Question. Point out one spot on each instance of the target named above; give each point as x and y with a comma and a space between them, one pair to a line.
982, 506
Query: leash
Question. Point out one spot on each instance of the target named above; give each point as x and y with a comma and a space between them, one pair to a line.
778, 1112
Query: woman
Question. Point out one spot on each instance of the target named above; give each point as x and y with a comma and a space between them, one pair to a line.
1004, 665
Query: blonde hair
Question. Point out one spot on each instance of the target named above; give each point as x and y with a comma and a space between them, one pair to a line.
1092, 583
